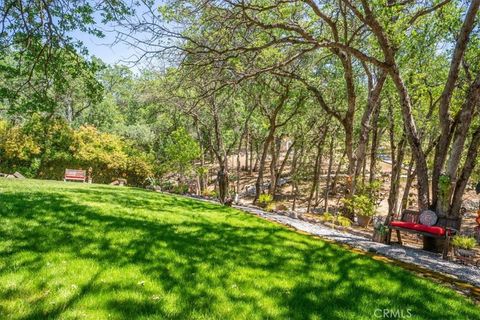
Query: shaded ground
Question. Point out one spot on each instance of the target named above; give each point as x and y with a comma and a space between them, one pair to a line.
72, 250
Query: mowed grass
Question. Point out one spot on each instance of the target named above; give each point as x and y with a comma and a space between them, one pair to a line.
78, 251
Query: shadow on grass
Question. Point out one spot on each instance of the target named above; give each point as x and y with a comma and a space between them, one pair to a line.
205, 259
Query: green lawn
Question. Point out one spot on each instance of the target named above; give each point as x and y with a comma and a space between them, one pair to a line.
78, 251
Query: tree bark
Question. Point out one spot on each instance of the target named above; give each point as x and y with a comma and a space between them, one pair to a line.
261, 168
330, 164
444, 107
374, 148
395, 180
373, 103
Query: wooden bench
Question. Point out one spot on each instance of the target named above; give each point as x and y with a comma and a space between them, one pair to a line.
410, 222
75, 175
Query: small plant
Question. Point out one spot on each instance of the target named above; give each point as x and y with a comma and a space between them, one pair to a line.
270, 207
444, 183
336, 219
381, 229
209, 193
464, 242
328, 217
264, 200
360, 205
166, 186
180, 189
152, 182
344, 221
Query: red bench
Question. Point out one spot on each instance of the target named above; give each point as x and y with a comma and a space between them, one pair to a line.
410, 222
75, 175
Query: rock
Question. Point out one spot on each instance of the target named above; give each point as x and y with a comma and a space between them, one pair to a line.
18, 175
318, 210
283, 181
293, 214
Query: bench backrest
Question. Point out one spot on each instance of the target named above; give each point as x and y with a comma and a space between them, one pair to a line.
75, 173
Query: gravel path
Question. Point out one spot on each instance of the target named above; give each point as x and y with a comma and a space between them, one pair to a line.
414, 256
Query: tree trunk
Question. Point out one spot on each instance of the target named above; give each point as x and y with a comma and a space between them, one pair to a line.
327, 184
408, 185
337, 172
461, 183
445, 192
373, 103
413, 139
279, 171
444, 107
395, 178
247, 139
374, 148
316, 174
259, 181
274, 150
222, 178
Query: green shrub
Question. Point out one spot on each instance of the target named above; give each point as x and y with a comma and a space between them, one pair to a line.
361, 205
264, 200
42, 148
464, 242
209, 193
344, 221
336, 219
180, 188
270, 207
328, 217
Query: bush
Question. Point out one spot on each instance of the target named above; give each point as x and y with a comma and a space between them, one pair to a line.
264, 200
180, 188
209, 193
344, 221
328, 217
464, 242
270, 207
360, 205
336, 219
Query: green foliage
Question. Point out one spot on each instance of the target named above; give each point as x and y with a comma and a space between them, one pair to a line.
361, 205
444, 183
328, 217
371, 190
343, 221
270, 207
180, 188
44, 149
381, 228
178, 152
336, 219
464, 242
264, 200
209, 193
